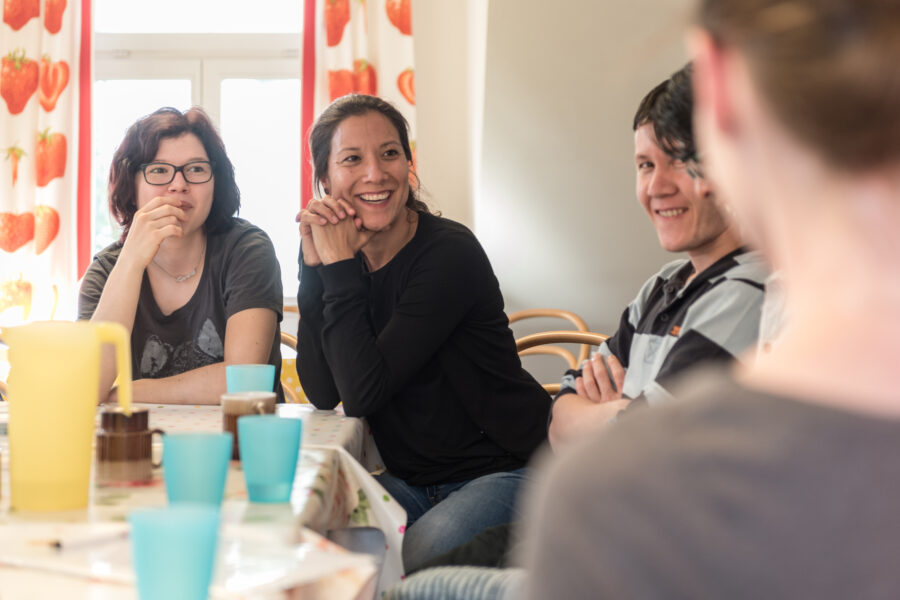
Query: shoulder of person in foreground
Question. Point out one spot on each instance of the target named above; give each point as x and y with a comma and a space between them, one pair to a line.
613, 515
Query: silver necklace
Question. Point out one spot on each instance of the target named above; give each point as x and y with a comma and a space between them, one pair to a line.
183, 278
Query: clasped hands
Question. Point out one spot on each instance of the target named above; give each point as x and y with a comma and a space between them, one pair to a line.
599, 384
330, 231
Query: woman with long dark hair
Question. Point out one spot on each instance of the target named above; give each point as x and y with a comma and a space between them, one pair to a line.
401, 320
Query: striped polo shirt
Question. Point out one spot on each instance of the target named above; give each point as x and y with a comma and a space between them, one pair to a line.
670, 326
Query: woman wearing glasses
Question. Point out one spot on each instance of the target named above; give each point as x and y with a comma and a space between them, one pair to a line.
196, 286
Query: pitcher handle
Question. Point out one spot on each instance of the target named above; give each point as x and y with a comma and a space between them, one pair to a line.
116, 334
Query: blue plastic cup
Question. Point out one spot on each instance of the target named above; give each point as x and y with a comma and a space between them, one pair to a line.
270, 450
195, 466
174, 550
250, 378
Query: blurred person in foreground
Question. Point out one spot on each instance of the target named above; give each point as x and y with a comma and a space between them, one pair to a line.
779, 479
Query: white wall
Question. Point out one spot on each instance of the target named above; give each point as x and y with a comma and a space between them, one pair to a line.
553, 203
450, 60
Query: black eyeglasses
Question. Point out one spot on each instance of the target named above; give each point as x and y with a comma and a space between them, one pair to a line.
162, 173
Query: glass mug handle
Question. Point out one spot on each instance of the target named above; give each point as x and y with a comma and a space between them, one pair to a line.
260, 408
155, 464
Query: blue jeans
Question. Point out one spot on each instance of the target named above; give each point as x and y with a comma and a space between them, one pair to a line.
445, 515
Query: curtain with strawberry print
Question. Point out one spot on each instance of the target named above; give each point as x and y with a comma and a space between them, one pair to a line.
40, 43
362, 46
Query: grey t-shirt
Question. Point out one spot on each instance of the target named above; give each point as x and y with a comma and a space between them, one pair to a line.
725, 493
240, 272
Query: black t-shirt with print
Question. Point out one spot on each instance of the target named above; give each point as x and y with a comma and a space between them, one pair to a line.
240, 272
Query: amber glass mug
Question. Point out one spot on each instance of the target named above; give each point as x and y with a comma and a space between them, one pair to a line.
125, 447
237, 404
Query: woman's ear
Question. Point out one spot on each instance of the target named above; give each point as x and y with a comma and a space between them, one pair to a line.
326, 187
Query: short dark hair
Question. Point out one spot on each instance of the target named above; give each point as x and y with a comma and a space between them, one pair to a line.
354, 105
669, 107
140, 146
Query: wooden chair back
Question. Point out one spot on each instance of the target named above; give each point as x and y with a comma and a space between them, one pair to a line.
555, 313
544, 343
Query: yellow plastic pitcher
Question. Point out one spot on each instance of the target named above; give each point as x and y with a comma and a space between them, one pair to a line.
54, 381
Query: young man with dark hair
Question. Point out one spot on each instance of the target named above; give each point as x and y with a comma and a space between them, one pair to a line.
700, 309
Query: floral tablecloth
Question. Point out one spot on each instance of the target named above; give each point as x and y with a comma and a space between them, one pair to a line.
332, 490
320, 428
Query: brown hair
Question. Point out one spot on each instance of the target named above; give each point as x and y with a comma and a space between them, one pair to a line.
827, 68
140, 146
354, 105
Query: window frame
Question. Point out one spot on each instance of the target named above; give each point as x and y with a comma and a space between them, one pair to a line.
206, 59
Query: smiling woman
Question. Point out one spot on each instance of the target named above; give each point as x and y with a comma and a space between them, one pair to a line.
196, 286
402, 320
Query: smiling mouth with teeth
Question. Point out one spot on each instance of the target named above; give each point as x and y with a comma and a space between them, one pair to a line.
375, 198
672, 212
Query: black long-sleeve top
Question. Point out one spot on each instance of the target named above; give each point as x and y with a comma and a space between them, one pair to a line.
423, 350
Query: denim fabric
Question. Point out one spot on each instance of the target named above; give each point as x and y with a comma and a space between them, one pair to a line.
443, 516
492, 547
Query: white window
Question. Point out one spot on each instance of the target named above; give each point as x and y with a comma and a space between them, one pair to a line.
242, 66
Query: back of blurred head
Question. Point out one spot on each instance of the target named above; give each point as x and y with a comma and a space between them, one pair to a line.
826, 68
796, 100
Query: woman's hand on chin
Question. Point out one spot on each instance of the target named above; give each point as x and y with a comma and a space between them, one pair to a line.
335, 242
328, 209
320, 212
159, 219
324, 213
